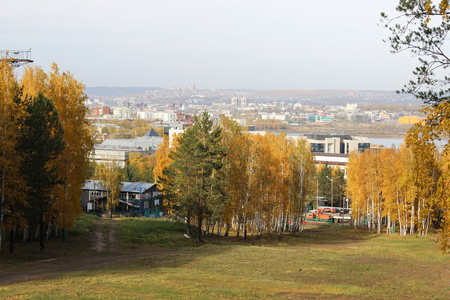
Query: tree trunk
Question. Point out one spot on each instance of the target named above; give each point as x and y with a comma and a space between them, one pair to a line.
111, 210
245, 227
56, 232
399, 215
379, 218
26, 234
227, 228
188, 227
200, 227
42, 232
208, 222
219, 228
412, 229
48, 231
212, 227
388, 228
12, 240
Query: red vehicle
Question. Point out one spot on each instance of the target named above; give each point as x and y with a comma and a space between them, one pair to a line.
328, 210
319, 216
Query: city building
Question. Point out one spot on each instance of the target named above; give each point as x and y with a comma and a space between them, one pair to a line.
410, 120
122, 113
336, 143
118, 150
274, 116
163, 116
100, 111
319, 119
244, 102
334, 149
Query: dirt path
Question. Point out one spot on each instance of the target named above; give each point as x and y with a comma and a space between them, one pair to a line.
112, 236
59, 267
98, 240
104, 244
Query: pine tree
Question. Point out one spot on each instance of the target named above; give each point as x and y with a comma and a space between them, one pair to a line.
68, 97
196, 161
41, 141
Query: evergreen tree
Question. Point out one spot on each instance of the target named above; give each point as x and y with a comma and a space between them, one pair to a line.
195, 168
41, 141
73, 163
324, 182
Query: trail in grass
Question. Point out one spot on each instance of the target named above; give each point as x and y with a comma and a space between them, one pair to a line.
104, 236
98, 240
112, 236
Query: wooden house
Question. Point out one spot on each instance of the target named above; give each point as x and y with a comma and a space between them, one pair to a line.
136, 198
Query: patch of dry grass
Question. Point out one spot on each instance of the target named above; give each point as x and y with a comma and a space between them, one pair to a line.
323, 262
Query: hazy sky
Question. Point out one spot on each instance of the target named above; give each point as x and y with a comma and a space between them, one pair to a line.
254, 44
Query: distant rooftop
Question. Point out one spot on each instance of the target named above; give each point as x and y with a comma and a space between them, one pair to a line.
130, 187
151, 132
313, 136
149, 140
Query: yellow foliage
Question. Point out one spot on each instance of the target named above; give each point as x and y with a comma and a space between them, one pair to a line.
12, 184
69, 98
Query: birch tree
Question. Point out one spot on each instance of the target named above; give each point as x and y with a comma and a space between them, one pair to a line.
12, 184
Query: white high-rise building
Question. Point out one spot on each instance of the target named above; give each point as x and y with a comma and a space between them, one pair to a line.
122, 112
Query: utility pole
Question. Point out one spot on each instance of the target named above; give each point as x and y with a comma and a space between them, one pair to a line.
332, 180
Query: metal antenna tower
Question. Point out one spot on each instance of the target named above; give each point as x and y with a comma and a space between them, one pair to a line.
16, 57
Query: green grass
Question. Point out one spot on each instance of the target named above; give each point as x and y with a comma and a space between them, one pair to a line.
159, 232
85, 224
324, 262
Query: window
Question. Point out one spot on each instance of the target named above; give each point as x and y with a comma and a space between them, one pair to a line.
330, 148
316, 147
363, 146
145, 204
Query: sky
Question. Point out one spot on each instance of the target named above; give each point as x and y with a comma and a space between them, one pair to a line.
227, 44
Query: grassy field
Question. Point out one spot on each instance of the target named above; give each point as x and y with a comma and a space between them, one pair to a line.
151, 259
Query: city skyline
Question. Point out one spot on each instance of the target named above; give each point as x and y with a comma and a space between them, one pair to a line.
258, 45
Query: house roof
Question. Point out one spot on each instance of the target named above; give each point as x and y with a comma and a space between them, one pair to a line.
152, 132
142, 142
127, 187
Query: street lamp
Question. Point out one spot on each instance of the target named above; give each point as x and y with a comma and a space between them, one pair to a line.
317, 198
342, 202
332, 180
342, 209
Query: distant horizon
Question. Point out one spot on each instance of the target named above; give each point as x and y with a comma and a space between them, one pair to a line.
218, 45
246, 89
